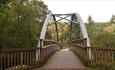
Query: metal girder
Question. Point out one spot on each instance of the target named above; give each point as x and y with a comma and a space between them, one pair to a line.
61, 14
56, 28
83, 29
59, 19
71, 25
68, 20
44, 28
78, 19
70, 29
84, 33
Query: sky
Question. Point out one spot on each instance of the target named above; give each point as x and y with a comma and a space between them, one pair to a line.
100, 10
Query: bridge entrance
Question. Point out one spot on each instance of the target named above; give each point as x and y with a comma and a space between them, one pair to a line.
63, 32
76, 38
68, 28
64, 28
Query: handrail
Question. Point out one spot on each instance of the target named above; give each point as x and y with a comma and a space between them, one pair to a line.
17, 49
48, 42
80, 42
25, 58
101, 55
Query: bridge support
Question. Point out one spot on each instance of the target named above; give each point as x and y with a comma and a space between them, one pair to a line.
77, 20
70, 28
84, 33
38, 51
56, 28
42, 36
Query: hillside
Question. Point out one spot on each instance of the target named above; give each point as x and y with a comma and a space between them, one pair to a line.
101, 34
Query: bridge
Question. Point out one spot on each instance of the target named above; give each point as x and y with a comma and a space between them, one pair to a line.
48, 55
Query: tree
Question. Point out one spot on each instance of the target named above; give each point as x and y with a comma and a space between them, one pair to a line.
90, 20
112, 20
4, 20
18, 24
4, 1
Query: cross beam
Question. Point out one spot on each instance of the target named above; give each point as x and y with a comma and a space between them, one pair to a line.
77, 19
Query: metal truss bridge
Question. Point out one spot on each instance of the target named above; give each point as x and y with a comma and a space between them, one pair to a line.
48, 55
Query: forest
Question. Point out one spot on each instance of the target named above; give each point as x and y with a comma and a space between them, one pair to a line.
21, 22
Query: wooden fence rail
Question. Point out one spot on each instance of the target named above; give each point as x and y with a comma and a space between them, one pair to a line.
19, 59
100, 55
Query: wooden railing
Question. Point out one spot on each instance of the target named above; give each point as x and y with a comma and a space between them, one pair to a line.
15, 59
80, 42
100, 55
26, 58
49, 42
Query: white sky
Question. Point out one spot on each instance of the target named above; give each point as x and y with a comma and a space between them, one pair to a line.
100, 10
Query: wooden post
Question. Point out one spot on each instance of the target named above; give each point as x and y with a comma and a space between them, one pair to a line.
21, 60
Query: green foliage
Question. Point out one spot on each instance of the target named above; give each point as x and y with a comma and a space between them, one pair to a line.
75, 33
101, 35
18, 24
90, 20
4, 2
112, 20
63, 32
103, 67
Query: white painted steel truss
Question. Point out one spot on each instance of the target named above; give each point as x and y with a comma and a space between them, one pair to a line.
75, 18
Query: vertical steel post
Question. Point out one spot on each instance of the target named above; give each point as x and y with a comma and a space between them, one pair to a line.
70, 30
56, 28
42, 37
41, 46
85, 34
70, 33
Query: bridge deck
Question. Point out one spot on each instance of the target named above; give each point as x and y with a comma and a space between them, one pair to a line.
63, 60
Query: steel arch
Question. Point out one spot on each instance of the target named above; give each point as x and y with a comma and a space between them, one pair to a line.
78, 19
